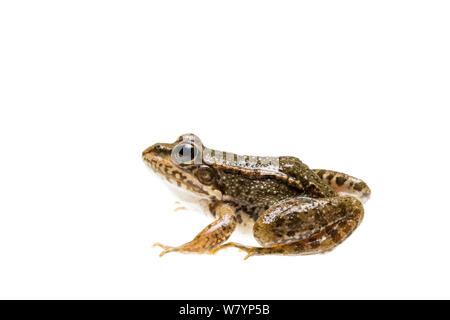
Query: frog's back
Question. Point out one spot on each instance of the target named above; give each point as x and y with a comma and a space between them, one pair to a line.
254, 187
307, 181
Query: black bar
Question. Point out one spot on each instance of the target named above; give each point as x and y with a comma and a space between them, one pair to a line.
213, 309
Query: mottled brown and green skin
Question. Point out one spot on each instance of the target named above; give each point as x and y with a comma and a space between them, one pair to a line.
292, 209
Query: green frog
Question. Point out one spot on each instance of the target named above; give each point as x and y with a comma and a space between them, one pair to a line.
291, 209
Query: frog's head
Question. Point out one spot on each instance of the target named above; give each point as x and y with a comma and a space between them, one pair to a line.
181, 164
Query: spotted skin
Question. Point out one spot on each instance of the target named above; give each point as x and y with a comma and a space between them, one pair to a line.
344, 184
291, 209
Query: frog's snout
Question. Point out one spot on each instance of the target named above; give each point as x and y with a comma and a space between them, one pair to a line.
158, 150
149, 150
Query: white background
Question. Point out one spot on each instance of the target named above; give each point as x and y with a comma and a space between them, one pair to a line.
85, 86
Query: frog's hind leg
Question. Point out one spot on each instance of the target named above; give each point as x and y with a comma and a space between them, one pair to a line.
304, 226
212, 236
345, 184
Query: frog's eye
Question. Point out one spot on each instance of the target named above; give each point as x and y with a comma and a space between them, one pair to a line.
185, 153
205, 174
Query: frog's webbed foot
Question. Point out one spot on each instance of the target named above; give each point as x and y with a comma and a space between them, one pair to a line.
194, 246
167, 249
209, 238
251, 251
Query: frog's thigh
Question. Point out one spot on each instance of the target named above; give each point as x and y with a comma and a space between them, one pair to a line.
345, 184
212, 236
304, 226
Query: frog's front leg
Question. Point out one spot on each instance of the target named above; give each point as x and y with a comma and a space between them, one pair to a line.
212, 236
302, 226
345, 184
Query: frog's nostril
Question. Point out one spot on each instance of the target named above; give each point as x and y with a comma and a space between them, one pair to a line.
156, 150
148, 150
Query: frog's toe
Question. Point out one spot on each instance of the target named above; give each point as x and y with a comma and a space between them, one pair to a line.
157, 244
249, 250
250, 253
224, 246
167, 249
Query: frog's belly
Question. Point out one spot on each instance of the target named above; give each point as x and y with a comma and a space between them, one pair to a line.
244, 222
195, 202
190, 199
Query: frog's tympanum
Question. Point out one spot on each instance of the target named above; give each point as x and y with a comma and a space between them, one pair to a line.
293, 210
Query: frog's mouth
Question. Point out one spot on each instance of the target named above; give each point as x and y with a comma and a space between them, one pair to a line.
160, 162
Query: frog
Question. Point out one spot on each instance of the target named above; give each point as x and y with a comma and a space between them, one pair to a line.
289, 208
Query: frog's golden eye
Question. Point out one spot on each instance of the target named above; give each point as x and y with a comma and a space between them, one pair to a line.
205, 174
184, 153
